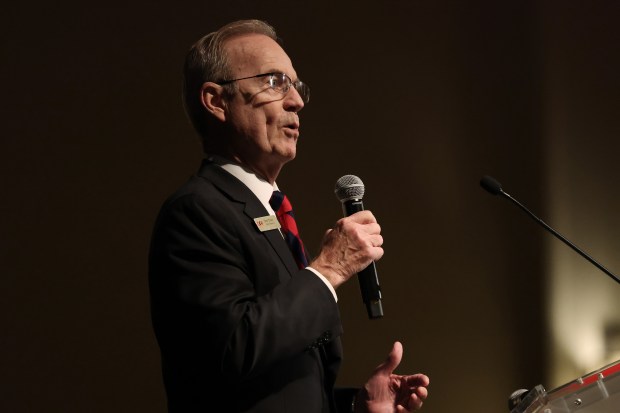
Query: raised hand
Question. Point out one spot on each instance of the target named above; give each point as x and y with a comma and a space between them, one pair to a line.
386, 392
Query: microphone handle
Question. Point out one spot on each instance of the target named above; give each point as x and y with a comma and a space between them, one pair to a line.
368, 279
561, 237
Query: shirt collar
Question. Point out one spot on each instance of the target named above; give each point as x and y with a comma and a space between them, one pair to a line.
259, 187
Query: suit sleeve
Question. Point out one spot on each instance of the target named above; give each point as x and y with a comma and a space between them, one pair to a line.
218, 286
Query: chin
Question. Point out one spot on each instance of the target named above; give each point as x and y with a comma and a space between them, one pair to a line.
288, 155
288, 151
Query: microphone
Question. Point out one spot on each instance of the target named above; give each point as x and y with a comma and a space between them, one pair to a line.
495, 188
516, 398
350, 191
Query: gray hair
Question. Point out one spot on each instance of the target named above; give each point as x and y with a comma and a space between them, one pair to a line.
207, 61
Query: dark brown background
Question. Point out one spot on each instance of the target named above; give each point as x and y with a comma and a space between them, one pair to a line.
419, 99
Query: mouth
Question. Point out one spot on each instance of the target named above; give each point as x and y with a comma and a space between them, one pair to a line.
292, 125
292, 129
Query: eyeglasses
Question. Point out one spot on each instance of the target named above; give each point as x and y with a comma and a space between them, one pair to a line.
281, 83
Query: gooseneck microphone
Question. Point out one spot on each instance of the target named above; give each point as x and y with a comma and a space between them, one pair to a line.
516, 398
350, 191
495, 188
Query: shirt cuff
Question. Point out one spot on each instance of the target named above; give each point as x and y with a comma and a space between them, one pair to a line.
327, 283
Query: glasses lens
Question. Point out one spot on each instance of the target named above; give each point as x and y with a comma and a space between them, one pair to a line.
303, 90
279, 82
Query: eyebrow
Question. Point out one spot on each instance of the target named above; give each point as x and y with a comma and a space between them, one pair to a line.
282, 71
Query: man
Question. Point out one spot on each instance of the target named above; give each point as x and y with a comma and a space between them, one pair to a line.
243, 323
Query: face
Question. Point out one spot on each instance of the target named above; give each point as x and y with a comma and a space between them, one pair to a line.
264, 124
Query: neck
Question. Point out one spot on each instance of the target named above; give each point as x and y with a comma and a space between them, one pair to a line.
267, 172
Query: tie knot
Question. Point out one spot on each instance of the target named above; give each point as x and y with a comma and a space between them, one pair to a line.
280, 203
284, 211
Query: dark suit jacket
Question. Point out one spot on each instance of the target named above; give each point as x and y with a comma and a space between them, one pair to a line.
240, 327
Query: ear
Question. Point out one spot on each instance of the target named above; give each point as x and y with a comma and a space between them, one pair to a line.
211, 97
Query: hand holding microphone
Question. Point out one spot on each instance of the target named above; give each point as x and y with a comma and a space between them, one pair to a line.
349, 247
353, 245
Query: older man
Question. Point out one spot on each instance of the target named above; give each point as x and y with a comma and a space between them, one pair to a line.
243, 322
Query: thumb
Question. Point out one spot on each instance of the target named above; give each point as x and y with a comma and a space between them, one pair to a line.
392, 361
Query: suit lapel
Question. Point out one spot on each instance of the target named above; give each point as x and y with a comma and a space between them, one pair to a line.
238, 192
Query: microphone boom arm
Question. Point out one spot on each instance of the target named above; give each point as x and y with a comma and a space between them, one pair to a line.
495, 188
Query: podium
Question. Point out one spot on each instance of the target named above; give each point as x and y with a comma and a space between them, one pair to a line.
596, 392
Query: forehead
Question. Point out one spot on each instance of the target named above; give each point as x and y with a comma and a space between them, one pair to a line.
256, 53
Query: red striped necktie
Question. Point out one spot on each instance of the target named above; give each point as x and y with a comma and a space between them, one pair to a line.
284, 211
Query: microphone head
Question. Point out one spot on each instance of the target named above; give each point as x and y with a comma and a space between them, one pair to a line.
349, 187
491, 185
516, 398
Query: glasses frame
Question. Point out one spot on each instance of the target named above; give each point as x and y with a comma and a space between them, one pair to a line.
301, 88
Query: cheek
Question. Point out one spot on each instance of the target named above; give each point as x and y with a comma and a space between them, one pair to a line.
249, 123
271, 123
257, 124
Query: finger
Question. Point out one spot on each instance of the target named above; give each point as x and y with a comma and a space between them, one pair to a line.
375, 240
392, 361
412, 405
415, 402
376, 253
422, 393
363, 217
371, 229
416, 380
416, 399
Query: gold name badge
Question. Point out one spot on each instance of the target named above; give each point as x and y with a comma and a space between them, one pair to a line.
267, 223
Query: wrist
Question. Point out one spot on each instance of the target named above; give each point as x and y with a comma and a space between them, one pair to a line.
328, 272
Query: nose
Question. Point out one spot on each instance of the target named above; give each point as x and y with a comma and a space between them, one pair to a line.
293, 101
